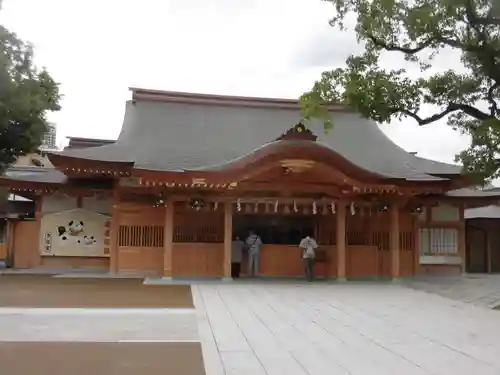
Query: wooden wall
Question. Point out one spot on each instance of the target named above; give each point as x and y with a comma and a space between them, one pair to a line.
198, 245
368, 238
140, 240
24, 241
25, 244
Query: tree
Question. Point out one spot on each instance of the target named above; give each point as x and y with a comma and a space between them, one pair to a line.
419, 30
26, 95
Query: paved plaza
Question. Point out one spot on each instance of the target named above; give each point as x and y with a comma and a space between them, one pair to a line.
477, 289
350, 328
275, 328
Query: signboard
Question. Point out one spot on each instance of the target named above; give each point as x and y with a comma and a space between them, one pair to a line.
77, 232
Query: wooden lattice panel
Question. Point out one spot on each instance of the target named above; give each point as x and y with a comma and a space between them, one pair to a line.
358, 230
140, 236
406, 241
327, 231
198, 226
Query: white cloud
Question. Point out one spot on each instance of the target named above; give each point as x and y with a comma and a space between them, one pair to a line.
96, 49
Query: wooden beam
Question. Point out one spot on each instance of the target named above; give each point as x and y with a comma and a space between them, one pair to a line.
303, 188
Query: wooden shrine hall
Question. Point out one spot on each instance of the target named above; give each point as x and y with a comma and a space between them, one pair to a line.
188, 172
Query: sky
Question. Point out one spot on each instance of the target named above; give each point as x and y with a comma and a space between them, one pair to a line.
97, 49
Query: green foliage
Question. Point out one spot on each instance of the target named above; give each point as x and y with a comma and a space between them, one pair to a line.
26, 95
420, 30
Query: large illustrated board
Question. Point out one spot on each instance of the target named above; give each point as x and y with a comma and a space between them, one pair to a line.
75, 232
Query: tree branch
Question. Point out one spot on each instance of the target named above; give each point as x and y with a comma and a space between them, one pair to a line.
491, 99
452, 107
394, 47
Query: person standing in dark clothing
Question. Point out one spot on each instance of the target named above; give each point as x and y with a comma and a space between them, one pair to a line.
236, 256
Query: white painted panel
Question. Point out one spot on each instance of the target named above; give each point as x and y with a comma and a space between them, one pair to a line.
58, 202
76, 232
98, 203
445, 212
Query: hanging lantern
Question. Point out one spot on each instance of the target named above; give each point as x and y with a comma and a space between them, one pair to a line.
295, 209
332, 207
286, 210
418, 209
238, 204
276, 206
160, 201
197, 203
216, 205
315, 209
353, 209
256, 208
383, 208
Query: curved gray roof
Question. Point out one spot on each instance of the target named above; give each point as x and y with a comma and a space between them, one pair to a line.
185, 136
486, 212
42, 175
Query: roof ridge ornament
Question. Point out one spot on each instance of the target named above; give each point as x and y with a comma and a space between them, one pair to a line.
298, 133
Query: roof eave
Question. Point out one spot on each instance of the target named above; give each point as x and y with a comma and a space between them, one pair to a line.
75, 165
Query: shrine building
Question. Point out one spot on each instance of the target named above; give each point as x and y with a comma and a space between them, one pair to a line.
188, 172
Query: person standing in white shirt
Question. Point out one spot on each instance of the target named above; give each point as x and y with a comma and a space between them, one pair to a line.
253, 244
308, 245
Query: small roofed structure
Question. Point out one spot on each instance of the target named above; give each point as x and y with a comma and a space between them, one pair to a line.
190, 171
483, 237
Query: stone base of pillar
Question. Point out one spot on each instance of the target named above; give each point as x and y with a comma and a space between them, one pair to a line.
227, 278
341, 279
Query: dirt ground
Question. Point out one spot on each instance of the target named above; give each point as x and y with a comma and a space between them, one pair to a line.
47, 291
100, 358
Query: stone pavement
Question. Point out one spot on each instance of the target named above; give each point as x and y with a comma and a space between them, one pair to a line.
98, 325
293, 327
478, 289
350, 328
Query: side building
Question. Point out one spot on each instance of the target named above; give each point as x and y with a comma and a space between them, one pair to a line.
190, 171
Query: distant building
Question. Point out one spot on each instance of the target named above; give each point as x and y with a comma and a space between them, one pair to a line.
49, 139
79, 142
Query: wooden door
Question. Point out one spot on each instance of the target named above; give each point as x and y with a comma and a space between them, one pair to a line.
26, 245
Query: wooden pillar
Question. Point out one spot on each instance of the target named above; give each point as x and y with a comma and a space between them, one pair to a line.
114, 232
488, 251
37, 259
394, 240
341, 240
461, 240
168, 237
10, 242
416, 245
228, 238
